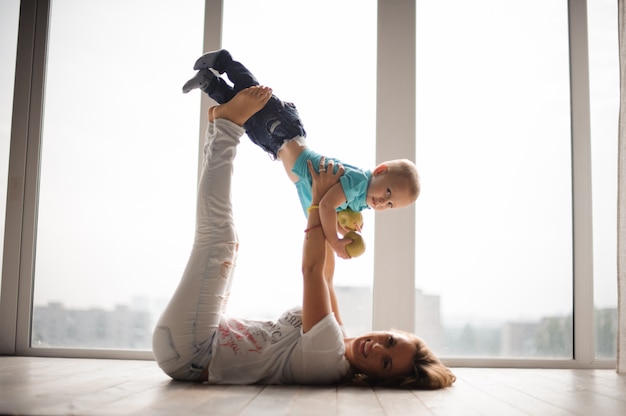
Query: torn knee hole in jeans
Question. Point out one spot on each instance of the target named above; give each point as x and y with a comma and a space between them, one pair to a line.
227, 265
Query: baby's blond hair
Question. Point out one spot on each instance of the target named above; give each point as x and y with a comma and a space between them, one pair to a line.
406, 169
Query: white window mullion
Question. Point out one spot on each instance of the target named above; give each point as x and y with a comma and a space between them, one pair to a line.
15, 304
213, 22
581, 184
394, 260
31, 183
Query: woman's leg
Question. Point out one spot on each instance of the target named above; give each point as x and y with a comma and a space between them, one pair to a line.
183, 337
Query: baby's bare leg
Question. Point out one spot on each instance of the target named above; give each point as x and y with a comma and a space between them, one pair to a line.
288, 154
243, 105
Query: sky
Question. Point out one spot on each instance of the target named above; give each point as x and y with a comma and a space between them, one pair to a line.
494, 218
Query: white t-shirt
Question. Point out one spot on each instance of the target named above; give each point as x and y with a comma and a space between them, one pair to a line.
268, 352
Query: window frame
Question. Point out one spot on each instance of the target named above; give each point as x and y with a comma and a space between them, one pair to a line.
394, 271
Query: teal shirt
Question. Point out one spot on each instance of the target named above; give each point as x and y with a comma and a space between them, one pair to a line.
354, 182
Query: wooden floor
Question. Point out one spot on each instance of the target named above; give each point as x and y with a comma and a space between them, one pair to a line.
61, 386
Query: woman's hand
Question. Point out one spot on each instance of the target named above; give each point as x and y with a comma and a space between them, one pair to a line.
325, 179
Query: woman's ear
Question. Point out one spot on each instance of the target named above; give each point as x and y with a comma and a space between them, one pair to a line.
382, 168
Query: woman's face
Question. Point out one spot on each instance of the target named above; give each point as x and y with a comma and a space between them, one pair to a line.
381, 354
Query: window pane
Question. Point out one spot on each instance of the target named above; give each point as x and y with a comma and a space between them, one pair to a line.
494, 236
323, 70
9, 16
604, 91
119, 169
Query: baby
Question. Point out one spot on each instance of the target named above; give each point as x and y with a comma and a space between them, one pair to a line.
278, 129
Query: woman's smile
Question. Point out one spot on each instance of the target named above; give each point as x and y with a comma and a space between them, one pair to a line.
363, 350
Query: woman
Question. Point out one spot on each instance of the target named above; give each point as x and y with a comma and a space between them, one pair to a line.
195, 341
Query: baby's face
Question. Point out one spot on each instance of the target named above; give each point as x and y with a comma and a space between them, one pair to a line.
387, 190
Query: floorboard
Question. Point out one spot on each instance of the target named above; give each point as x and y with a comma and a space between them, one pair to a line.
63, 386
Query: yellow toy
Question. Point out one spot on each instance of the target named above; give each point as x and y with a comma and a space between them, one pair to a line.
352, 222
357, 246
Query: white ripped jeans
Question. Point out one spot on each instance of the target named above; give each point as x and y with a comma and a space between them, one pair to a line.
182, 339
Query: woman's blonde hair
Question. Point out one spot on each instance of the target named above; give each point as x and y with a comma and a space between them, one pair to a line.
428, 371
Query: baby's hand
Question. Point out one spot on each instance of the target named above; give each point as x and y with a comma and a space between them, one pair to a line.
340, 247
345, 230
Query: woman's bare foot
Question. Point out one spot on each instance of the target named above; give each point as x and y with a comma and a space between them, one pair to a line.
243, 105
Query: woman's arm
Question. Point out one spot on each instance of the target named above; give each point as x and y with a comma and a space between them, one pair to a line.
316, 298
329, 273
